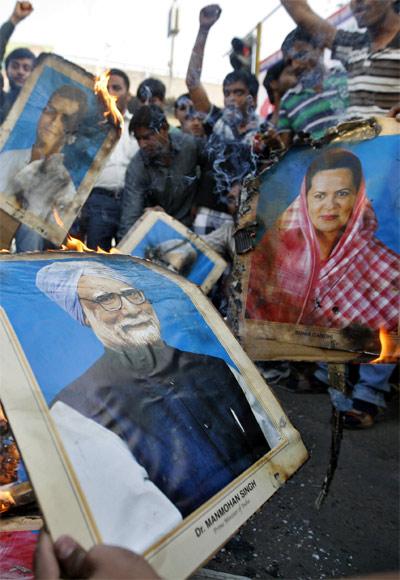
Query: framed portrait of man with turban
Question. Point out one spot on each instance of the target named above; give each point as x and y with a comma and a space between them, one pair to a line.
158, 433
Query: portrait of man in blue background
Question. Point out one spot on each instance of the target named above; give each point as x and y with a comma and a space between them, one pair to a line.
163, 240
54, 133
156, 375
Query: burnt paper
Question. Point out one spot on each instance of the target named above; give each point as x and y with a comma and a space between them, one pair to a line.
160, 433
324, 272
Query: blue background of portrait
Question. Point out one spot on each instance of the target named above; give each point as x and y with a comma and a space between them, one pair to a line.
59, 349
161, 232
78, 156
380, 159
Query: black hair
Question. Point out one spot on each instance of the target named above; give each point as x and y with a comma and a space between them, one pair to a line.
245, 77
19, 53
182, 98
335, 159
273, 74
120, 73
74, 94
151, 88
299, 35
150, 117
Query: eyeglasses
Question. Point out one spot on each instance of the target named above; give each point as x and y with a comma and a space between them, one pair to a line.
112, 301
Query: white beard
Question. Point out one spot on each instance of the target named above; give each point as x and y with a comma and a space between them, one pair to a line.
121, 337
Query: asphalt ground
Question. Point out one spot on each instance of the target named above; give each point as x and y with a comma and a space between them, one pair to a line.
356, 531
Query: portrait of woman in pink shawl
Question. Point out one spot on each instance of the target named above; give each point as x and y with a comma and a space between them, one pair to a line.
321, 264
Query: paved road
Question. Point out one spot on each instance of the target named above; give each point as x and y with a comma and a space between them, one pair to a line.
356, 530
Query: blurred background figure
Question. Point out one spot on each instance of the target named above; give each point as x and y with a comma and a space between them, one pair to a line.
152, 91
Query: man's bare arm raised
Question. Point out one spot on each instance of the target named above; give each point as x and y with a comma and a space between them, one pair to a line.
314, 24
208, 17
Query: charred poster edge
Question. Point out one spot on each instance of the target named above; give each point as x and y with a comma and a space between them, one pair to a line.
205, 530
277, 341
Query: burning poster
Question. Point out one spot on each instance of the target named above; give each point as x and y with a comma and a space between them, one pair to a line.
52, 145
164, 240
325, 268
140, 419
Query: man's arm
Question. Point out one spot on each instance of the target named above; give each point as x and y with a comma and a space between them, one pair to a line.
6, 31
133, 198
305, 17
208, 17
21, 11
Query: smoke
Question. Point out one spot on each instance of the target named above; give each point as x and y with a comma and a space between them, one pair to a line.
230, 151
145, 95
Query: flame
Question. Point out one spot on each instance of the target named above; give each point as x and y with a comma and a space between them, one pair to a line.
2, 415
390, 348
6, 501
74, 245
110, 101
58, 220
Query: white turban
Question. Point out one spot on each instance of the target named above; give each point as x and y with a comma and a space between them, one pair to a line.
59, 281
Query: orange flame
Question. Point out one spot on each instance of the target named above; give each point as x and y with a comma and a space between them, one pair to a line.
390, 348
110, 101
75, 245
6, 501
58, 219
2, 415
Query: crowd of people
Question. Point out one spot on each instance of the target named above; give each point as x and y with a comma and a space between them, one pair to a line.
194, 171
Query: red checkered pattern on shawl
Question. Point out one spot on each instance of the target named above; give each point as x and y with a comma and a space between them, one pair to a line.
358, 284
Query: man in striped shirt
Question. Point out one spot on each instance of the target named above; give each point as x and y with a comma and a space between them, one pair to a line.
320, 98
371, 58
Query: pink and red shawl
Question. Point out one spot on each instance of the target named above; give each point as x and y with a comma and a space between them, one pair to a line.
16, 554
358, 283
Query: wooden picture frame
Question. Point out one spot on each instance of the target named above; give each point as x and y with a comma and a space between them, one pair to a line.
349, 306
47, 349
53, 144
198, 262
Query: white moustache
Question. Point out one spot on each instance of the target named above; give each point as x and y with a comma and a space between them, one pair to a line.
130, 322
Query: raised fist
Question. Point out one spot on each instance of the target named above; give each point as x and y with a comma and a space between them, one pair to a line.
209, 15
21, 11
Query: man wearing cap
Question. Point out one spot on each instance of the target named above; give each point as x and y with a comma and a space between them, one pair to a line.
183, 415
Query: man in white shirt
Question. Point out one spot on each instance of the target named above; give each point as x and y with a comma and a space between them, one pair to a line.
101, 213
